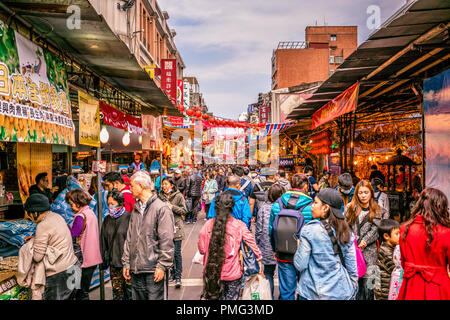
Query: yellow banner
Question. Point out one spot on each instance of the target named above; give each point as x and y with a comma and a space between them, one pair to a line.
89, 132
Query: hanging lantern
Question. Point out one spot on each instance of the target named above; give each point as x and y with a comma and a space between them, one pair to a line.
212, 120
190, 112
140, 139
181, 108
126, 139
104, 135
205, 116
198, 114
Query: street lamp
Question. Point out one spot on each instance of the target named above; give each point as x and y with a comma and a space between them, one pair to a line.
126, 139
104, 135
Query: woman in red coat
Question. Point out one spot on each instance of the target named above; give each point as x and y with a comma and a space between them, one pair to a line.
425, 249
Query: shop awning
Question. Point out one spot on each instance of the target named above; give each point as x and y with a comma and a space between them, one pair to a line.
96, 46
396, 56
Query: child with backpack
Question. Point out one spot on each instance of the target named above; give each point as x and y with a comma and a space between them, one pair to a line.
326, 257
288, 215
389, 231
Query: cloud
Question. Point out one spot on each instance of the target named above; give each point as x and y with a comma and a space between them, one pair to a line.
229, 43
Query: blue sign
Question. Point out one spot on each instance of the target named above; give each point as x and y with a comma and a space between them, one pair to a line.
291, 160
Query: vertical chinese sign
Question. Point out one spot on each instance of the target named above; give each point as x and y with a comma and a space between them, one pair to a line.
169, 78
89, 132
263, 113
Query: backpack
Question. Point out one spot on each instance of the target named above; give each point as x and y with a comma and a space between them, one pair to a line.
287, 225
261, 196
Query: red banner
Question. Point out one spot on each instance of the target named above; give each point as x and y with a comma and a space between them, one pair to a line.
263, 113
342, 104
169, 78
113, 117
176, 121
134, 124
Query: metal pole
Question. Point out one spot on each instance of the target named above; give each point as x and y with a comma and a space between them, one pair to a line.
100, 220
69, 160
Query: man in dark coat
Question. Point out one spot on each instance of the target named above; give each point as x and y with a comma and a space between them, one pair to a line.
193, 194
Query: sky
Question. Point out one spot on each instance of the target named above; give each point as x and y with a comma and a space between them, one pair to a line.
228, 44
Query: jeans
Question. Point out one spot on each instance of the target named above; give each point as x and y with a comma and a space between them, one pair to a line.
143, 287
288, 278
269, 271
86, 278
177, 268
61, 286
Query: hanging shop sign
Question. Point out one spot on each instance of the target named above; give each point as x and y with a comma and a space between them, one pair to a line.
33, 85
264, 113
291, 160
179, 91
169, 78
342, 104
89, 132
186, 94
152, 133
321, 143
113, 117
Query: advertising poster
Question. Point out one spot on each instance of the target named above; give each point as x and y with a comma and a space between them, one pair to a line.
33, 86
436, 103
152, 129
32, 158
89, 132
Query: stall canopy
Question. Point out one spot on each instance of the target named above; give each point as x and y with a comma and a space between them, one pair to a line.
96, 46
409, 46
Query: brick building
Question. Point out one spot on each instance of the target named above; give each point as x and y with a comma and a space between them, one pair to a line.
316, 58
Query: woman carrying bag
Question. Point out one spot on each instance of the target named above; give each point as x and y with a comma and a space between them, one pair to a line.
113, 235
363, 215
170, 194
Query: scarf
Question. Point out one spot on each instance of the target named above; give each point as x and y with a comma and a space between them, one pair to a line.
116, 213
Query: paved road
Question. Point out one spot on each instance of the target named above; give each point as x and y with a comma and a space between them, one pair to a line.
192, 282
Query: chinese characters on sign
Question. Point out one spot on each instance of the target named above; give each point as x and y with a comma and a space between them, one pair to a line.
263, 113
169, 78
89, 132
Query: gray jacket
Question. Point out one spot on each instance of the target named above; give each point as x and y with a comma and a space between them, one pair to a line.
369, 233
149, 242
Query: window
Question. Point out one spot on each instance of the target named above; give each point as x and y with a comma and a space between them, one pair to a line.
333, 37
148, 33
331, 59
338, 59
331, 72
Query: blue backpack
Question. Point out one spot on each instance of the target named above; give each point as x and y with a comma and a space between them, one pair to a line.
287, 225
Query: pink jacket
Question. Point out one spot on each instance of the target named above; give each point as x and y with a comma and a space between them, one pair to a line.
90, 239
236, 231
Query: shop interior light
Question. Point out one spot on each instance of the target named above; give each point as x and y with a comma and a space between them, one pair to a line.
190, 141
370, 158
355, 162
387, 157
104, 135
126, 139
140, 139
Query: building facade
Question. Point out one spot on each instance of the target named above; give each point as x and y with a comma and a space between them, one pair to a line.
315, 59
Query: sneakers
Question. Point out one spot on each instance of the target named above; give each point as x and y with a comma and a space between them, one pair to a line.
171, 280
177, 284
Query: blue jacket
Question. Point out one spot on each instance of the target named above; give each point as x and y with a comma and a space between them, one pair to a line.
241, 209
158, 182
322, 275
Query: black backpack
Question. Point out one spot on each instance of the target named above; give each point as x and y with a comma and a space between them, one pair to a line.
287, 225
261, 196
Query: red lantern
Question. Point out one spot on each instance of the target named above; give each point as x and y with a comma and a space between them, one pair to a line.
181, 108
212, 120
198, 114
205, 116
190, 112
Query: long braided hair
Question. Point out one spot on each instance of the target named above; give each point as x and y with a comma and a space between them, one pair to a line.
212, 284
432, 205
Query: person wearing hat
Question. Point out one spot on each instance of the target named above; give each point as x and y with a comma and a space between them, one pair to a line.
179, 180
137, 165
52, 231
326, 256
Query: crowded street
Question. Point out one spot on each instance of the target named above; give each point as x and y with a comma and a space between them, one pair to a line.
194, 151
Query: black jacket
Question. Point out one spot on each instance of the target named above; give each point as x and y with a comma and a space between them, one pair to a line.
194, 185
116, 246
220, 182
181, 184
35, 189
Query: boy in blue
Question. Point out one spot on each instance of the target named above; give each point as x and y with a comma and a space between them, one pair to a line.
245, 185
241, 209
313, 186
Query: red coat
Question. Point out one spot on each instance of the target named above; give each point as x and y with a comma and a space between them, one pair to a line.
128, 197
425, 275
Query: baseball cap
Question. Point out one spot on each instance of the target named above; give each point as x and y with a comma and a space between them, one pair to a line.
333, 198
177, 171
